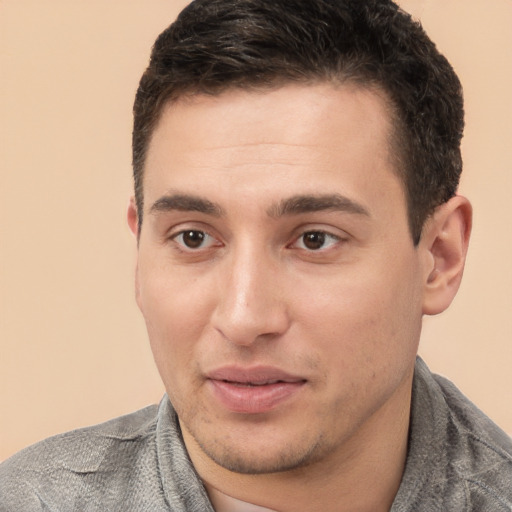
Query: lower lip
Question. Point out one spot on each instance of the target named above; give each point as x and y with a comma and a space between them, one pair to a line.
253, 399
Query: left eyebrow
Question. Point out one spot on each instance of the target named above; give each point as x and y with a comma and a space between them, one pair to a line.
296, 205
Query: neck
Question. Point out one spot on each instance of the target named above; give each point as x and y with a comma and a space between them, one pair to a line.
361, 476
223, 503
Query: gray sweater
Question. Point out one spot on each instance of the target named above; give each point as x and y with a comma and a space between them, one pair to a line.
458, 460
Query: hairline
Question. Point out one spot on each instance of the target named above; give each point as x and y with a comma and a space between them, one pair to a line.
396, 138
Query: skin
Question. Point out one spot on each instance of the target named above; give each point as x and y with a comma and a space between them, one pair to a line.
331, 292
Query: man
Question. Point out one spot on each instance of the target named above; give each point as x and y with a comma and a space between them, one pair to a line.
296, 165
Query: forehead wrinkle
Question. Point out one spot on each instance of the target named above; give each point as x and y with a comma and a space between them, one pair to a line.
313, 203
186, 203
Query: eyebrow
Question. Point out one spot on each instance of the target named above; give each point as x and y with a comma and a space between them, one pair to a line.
296, 205
186, 203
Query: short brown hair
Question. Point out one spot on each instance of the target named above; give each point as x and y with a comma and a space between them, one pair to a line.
215, 45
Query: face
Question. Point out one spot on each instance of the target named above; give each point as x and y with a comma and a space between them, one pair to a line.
276, 273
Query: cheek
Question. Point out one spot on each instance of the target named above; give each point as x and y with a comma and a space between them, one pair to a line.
368, 319
172, 300
176, 311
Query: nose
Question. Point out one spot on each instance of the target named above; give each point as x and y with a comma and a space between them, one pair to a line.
252, 305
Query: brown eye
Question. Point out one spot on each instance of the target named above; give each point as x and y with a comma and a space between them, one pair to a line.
313, 240
192, 239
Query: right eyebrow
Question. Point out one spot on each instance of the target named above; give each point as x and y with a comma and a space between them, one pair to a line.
186, 203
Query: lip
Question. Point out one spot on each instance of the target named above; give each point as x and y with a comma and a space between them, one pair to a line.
253, 390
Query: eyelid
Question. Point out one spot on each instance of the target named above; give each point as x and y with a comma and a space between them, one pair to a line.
320, 227
189, 225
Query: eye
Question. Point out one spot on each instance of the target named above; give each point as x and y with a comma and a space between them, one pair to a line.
194, 239
316, 240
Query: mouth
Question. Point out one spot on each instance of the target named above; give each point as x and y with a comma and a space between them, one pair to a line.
254, 384
255, 390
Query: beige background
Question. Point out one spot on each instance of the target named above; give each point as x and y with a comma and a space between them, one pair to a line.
73, 347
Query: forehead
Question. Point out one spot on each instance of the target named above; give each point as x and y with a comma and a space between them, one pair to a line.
321, 106
304, 139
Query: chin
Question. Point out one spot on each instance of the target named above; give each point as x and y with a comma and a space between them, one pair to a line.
256, 459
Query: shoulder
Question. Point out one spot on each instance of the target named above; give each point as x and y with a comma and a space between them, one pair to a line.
481, 452
66, 461
458, 458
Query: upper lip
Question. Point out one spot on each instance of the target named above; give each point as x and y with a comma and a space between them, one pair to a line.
253, 375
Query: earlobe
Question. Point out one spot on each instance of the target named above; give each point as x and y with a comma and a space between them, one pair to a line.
445, 240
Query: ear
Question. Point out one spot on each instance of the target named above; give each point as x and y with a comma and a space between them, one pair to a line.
445, 242
133, 218
133, 223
